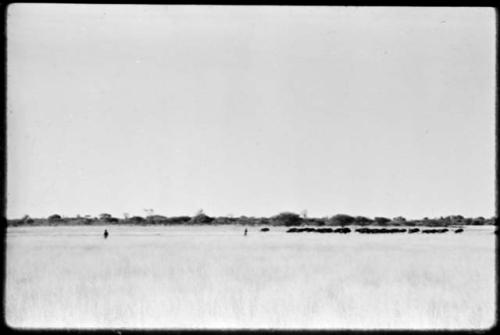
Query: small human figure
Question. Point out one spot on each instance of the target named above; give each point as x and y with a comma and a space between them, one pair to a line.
246, 231
106, 233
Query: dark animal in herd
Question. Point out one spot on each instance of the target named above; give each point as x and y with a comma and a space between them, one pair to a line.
106, 234
434, 231
342, 230
371, 230
324, 230
319, 230
264, 229
380, 230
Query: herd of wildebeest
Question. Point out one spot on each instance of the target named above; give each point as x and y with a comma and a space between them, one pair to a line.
345, 230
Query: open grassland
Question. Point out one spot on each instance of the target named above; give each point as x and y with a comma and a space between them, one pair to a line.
214, 277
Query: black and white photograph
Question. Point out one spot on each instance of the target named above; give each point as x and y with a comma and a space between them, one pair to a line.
225, 167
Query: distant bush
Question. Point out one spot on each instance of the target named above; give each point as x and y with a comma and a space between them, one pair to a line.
362, 221
341, 220
467, 221
76, 221
263, 221
224, 220
314, 222
136, 219
382, 221
55, 218
455, 219
432, 223
479, 221
491, 221
201, 219
105, 216
178, 219
27, 220
14, 223
287, 219
248, 221
398, 221
108, 218
156, 219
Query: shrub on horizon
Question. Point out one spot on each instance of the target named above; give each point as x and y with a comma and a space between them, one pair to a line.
156, 219
54, 218
479, 221
398, 220
263, 221
178, 219
362, 221
314, 222
105, 216
136, 219
382, 221
287, 219
201, 218
26, 220
340, 220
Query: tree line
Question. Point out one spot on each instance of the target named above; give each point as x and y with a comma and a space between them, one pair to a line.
282, 219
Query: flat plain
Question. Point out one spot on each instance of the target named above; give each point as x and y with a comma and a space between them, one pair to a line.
194, 277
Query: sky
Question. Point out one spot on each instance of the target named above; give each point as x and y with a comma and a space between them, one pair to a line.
250, 110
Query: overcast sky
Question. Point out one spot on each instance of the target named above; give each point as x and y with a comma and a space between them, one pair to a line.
250, 110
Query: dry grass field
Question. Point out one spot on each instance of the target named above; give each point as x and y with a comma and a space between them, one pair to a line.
214, 277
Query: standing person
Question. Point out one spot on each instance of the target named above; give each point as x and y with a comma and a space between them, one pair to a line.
106, 233
246, 231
